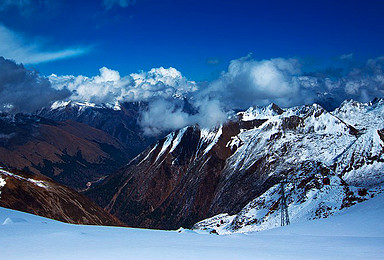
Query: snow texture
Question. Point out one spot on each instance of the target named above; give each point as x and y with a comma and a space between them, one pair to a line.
306, 144
355, 233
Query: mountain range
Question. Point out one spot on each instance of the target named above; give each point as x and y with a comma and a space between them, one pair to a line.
231, 174
225, 179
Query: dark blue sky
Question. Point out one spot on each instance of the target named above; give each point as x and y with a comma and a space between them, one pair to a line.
199, 38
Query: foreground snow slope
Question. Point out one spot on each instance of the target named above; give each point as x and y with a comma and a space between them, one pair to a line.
356, 233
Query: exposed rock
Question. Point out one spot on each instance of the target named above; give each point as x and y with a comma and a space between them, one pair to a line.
69, 152
194, 173
41, 196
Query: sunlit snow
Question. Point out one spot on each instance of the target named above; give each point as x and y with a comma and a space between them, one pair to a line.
357, 233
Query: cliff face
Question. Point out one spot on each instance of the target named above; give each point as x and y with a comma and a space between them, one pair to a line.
194, 173
41, 196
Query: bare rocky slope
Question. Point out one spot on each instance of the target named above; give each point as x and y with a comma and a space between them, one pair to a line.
69, 152
232, 173
39, 195
119, 121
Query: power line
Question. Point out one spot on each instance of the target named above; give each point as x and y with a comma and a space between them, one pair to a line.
283, 205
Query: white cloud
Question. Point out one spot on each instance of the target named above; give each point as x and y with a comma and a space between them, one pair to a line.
108, 4
110, 87
28, 51
248, 82
165, 115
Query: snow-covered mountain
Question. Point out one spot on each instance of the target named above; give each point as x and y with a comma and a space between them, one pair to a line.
232, 173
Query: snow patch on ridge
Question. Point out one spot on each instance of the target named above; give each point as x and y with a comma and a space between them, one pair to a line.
166, 144
176, 141
2, 184
210, 137
41, 184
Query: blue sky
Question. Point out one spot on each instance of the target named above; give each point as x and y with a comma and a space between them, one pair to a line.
199, 38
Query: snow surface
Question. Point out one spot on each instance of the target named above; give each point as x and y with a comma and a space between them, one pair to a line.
357, 233
362, 115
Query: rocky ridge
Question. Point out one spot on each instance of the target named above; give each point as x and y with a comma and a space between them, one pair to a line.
39, 195
196, 173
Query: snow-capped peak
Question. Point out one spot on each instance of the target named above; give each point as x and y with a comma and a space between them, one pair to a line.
257, 112
362, 115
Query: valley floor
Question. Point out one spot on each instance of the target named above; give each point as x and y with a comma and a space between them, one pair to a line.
356, 233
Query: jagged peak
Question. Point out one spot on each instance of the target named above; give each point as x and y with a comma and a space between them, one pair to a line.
306, 110
356, 105
350, 103
260, 112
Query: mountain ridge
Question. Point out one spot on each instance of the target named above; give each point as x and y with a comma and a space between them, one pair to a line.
193, 172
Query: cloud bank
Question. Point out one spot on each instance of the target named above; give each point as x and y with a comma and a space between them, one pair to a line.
22, 90
28, 51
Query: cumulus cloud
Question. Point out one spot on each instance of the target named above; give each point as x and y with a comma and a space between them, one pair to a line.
110, 87
28, 51
22, 90
108, 4
248, 82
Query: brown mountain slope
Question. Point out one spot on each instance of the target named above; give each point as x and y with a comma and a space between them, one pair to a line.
39, 195
168, 187
69, 152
